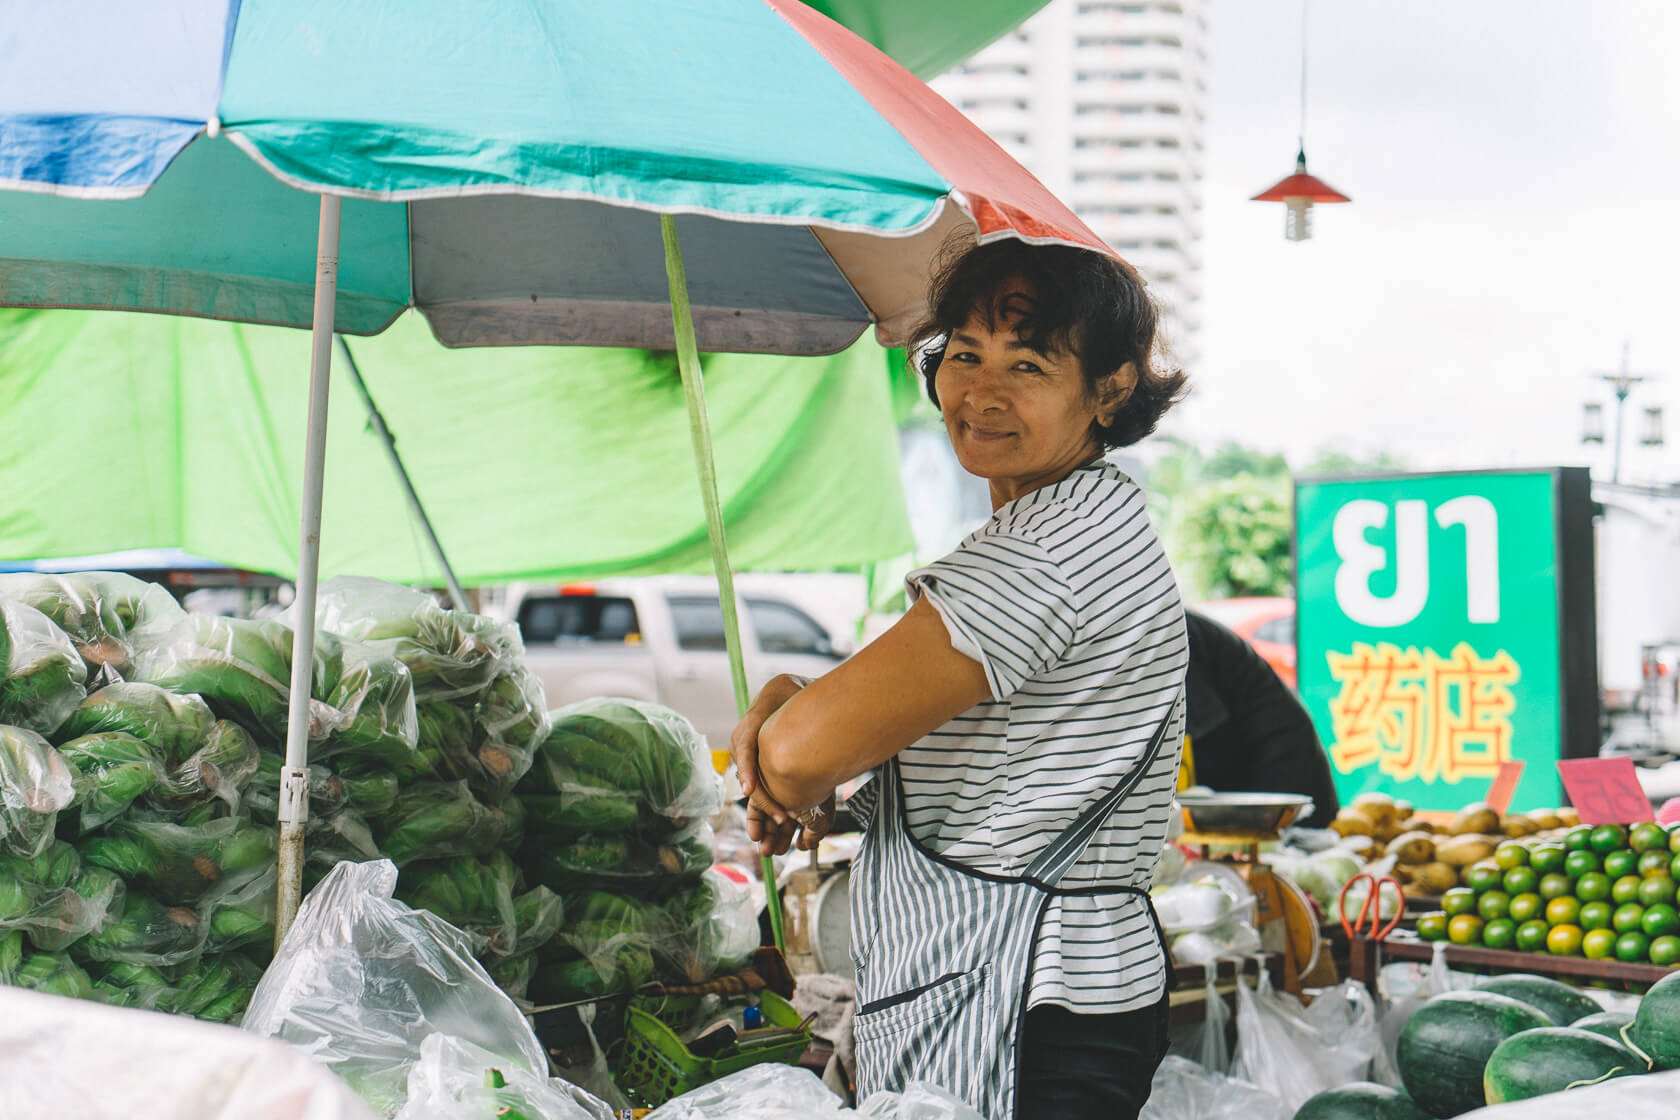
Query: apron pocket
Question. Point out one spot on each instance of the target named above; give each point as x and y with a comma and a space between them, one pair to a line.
945, 1031
951, 996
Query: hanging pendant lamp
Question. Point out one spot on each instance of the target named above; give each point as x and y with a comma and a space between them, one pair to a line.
1299, 191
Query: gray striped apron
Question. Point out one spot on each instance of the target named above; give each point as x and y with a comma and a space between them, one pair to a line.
944, 953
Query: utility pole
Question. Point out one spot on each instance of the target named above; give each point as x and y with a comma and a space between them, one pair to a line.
1621, 383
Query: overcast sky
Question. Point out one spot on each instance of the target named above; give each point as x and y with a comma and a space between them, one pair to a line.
1515, 171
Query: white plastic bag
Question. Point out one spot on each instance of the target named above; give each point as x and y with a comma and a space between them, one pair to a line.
1296, 1052
1434, 980
451, 1082
1183, 1090
762, 1092
1214, 1048
919, 1101
361, 980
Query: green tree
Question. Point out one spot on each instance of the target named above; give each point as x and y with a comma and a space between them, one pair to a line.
1231, 537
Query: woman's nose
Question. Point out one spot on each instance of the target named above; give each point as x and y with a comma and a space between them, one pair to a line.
984, 389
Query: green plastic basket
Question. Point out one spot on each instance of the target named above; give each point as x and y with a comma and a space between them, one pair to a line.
655, 1066
678, 1012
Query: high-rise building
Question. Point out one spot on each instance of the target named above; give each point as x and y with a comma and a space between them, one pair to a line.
1106, 102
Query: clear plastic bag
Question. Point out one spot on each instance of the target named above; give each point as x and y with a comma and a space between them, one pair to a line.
627, 861
470, 894
918, 1101
762, 1092
1295, 1052
112, 770
456, 1080
44, 675
183, 863
220, 770
361, 980
147, 932
374, 698
512, 720
175, 726
1183, 1090
54, 898
1213, 1047
35, 785
96, 610
605, 946
629, 747
709, 929
242, 912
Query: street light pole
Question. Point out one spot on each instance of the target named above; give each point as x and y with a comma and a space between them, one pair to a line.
1622, 383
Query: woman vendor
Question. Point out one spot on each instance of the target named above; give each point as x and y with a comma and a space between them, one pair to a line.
1025, 715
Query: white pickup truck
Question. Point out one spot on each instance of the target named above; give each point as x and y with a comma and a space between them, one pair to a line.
660, 638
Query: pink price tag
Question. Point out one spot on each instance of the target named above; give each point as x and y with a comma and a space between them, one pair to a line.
1504, 785
1605, 790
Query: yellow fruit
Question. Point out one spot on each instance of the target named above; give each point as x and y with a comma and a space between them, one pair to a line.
1348, 822
1465, 929
1463, 850
1473, 819
1412, 847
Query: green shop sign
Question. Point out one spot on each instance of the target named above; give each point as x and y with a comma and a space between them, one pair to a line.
1445, 624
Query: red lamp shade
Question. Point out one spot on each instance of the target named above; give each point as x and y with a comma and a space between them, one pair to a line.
1298, 192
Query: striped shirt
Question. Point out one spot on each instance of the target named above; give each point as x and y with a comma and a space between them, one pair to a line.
1066, 599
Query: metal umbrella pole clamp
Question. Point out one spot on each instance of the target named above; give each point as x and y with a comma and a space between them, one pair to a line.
294, 802
694, 390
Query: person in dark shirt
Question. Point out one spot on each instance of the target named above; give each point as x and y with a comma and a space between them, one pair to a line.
1246, 730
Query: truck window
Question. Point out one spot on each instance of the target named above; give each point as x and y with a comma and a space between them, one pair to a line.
699, 624
578, 619
786, 629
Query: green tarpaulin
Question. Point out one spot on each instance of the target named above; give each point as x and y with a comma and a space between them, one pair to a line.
132, 431
929, 37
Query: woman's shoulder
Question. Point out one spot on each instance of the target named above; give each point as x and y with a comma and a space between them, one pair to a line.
1095, 499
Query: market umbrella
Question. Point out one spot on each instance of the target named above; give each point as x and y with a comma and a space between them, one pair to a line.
519, 172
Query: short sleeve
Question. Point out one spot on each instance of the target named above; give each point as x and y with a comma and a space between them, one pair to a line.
1006, 604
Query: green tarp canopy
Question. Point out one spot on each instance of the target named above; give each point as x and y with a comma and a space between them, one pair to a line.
139, 431
928, 37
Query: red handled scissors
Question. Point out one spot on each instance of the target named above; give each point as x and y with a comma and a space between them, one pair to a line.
1368, 922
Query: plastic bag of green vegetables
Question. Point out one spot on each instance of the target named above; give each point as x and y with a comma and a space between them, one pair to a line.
45, 678
374, 698
332, 838
12, 950
216, 988
54, 974
112, 770
54, 898
513, 974
631, 746
538, 915
183, 862
147, 932
470, 894
449, 653
241, 667
624, 861
175, 726
242, 914
361, 980
437, 820
35, 785
512, 718
220, 769
604, 947
97, 610
578, 811
709, 929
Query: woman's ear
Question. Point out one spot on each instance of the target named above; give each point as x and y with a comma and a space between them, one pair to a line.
1115, 390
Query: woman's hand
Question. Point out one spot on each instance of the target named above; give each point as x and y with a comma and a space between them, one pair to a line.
774, 838
743, 741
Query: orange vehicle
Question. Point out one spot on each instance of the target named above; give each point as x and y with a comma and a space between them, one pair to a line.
1265, 622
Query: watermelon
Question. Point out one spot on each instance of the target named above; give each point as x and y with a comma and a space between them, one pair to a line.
1447, 1042
1656, 1025
1558, 1001
1552, 1059
1607, 1023
1363, 1100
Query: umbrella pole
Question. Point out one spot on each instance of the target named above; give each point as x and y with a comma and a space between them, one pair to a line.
294, 780
376, 420
688, 362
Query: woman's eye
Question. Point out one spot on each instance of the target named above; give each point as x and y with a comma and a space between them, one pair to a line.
1028, 367
961, 356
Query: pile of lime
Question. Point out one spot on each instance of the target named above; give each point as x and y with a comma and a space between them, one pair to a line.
1605, 892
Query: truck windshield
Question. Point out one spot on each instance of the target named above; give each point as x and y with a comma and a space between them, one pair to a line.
779, 627
566, 619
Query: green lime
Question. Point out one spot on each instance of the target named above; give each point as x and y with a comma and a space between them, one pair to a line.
1547, 858
1578, 839
1564, 941
1654, 863
1648, 836
1432, 926
1577, 864
1464, 929
1656, 889
1563, 911
1598, 944
1510, 854
1525, 906
1665, 950
1659, 920
1522, 880
1596, 915
1483, 876
1531, 936
1555, 885
1500, 933
1627, 917
1493, 904
1674, 867
1625, 889
1459, 900
1633, 946
1674, 837
1621, 862
1606, 838
1592, 886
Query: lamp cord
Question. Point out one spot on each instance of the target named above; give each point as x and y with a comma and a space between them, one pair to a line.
1301, 137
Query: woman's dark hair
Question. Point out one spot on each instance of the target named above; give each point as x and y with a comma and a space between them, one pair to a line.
1084, 303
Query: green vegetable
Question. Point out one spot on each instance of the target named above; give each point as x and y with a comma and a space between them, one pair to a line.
1656, 1024
224, 1009
370, 789
222, 767
11, 955
35, 784
513, 974
1363, 1100
97, 610
1559, 1002
1445, 1046
54, 975
112, 770
1552, 1059
183, 862
44, 675
579, 811
1607, 1023
432, 820
174, 726
147, 933
538, 915
375, 698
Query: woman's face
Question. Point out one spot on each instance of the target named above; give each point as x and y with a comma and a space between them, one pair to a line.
1019, 418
